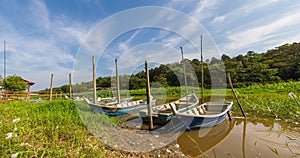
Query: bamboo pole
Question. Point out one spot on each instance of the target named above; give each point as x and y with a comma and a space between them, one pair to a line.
94, 81
118, 82
236, 97
28, 93
70, 84
148, 97
4, 68
202, 74
184, 73
51, 89
4, 58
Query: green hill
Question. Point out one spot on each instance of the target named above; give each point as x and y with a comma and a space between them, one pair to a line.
279, 64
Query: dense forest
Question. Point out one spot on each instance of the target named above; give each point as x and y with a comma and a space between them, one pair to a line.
276, 65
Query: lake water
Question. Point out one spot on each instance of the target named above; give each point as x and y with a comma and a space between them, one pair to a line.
239, 138
243, 138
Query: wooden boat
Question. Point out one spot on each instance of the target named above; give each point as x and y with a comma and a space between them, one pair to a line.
119, 108
112, 100
162, 114
205, 115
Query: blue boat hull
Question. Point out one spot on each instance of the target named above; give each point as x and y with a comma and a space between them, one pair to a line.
205, 115
162, 115
201, 122
116, 111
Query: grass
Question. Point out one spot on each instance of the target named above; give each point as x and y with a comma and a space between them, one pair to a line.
45, 130
258, 100
57, 130
281, 87
270, 101
277, 106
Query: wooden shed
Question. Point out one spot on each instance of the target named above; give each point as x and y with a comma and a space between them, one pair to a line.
29, 83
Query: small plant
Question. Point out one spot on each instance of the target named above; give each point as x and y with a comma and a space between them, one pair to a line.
274, 150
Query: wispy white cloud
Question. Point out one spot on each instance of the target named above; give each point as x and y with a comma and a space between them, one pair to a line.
154, 52
203, 9
218, 19
162, 34
172, 41
124, 46
39, 42
40, 14
257, 34
49, 46
77, 33
239, 12
252, 25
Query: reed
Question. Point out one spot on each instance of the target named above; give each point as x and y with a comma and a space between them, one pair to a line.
55, 129
45, 130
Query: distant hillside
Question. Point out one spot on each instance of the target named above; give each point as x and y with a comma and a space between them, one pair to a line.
279, 64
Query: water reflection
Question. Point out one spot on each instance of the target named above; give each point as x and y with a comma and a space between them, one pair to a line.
198, 142
243, 138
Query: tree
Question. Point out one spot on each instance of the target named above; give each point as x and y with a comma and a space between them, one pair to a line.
251, 53
279, 64
214, 61
136, 82
65, 88
225, 57
14, 83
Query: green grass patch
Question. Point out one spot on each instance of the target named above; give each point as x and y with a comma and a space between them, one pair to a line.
272, 105
57, 129
258, 100
291, 86
270, 100
45, 130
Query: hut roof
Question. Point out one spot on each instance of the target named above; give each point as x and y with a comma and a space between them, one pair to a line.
29, 82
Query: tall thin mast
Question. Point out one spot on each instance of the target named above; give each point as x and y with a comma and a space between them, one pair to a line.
4, 58
94, 81
118, 82
202, 74
184, 72
149, 108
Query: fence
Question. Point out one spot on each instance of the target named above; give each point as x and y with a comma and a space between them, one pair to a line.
8, 97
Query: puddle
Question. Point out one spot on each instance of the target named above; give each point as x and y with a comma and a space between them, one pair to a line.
239, 138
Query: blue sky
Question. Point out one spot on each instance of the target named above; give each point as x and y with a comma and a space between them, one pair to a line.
44, 37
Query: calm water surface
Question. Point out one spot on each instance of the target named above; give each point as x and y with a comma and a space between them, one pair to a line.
240, 138
243, 138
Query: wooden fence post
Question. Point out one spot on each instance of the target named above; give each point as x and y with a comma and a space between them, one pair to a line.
51, 84
70, 84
